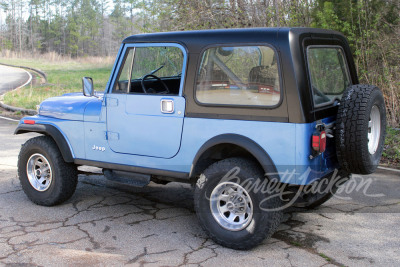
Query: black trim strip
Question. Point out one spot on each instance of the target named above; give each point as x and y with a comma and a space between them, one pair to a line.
129, 168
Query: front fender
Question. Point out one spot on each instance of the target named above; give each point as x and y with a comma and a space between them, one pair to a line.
51, 131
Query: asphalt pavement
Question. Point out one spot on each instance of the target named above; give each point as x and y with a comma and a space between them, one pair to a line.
106, 224
11, 78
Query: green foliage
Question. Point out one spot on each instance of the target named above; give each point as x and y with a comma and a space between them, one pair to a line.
391, 152
7, 44
119, 21
325, 257
331, 15
325, 17
372, 28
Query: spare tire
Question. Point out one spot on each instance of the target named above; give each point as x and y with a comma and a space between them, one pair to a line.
360, 129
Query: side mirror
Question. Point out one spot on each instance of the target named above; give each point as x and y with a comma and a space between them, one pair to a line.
87, 86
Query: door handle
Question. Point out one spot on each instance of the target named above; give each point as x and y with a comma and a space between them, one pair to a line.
167, 106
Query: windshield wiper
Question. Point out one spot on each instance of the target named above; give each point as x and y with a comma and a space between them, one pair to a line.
154, 71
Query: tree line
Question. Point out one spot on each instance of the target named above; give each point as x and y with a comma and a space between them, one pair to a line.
96, 27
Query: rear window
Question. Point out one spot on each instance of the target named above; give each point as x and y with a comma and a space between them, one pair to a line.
238, 75
328, 73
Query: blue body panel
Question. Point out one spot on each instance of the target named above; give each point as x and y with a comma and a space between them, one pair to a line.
67, 107
136, 125
198, 131
310, 169
287, 144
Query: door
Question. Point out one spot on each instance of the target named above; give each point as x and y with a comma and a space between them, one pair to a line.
145, 108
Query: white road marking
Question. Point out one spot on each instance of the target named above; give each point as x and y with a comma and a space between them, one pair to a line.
29, 80
9, 119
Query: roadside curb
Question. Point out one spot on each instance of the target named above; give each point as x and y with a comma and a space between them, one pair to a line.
382, 168
22, 110
14, 109
44, 75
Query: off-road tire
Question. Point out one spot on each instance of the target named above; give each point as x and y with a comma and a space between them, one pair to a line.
352, 129
64, 175
263, 223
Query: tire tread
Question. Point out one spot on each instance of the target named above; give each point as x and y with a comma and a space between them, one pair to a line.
351, 142
270, 221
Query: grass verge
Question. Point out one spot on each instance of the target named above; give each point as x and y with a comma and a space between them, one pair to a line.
64, 76
391, 152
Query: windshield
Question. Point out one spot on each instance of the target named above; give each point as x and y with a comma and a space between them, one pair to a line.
165, 61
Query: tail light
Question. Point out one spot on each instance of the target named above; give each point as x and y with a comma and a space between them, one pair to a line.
319, 141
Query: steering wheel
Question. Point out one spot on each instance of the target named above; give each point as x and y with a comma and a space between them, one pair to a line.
158, 80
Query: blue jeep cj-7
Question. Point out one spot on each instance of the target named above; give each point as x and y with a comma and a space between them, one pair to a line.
254, 119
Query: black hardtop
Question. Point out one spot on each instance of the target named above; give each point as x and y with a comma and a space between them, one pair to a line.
296, 101
196, 40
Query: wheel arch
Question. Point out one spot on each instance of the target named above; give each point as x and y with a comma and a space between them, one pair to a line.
231, 145
51, 131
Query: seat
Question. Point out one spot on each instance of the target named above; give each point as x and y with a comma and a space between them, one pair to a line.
265, 75
219, 75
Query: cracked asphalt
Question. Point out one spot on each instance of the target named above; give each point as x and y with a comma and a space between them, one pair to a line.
107, 224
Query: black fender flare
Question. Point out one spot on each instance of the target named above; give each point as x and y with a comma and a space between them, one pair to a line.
51, 131
247, 144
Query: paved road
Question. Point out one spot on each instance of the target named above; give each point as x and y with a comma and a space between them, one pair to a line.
108, 224
11, 78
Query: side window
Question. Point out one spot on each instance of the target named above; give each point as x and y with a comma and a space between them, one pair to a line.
328, 73
241, 75
150, 70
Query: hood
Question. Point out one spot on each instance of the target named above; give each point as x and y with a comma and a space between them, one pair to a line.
67, 107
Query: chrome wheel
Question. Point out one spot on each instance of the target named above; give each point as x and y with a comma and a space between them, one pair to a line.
231, 206
39, 172
374, 129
